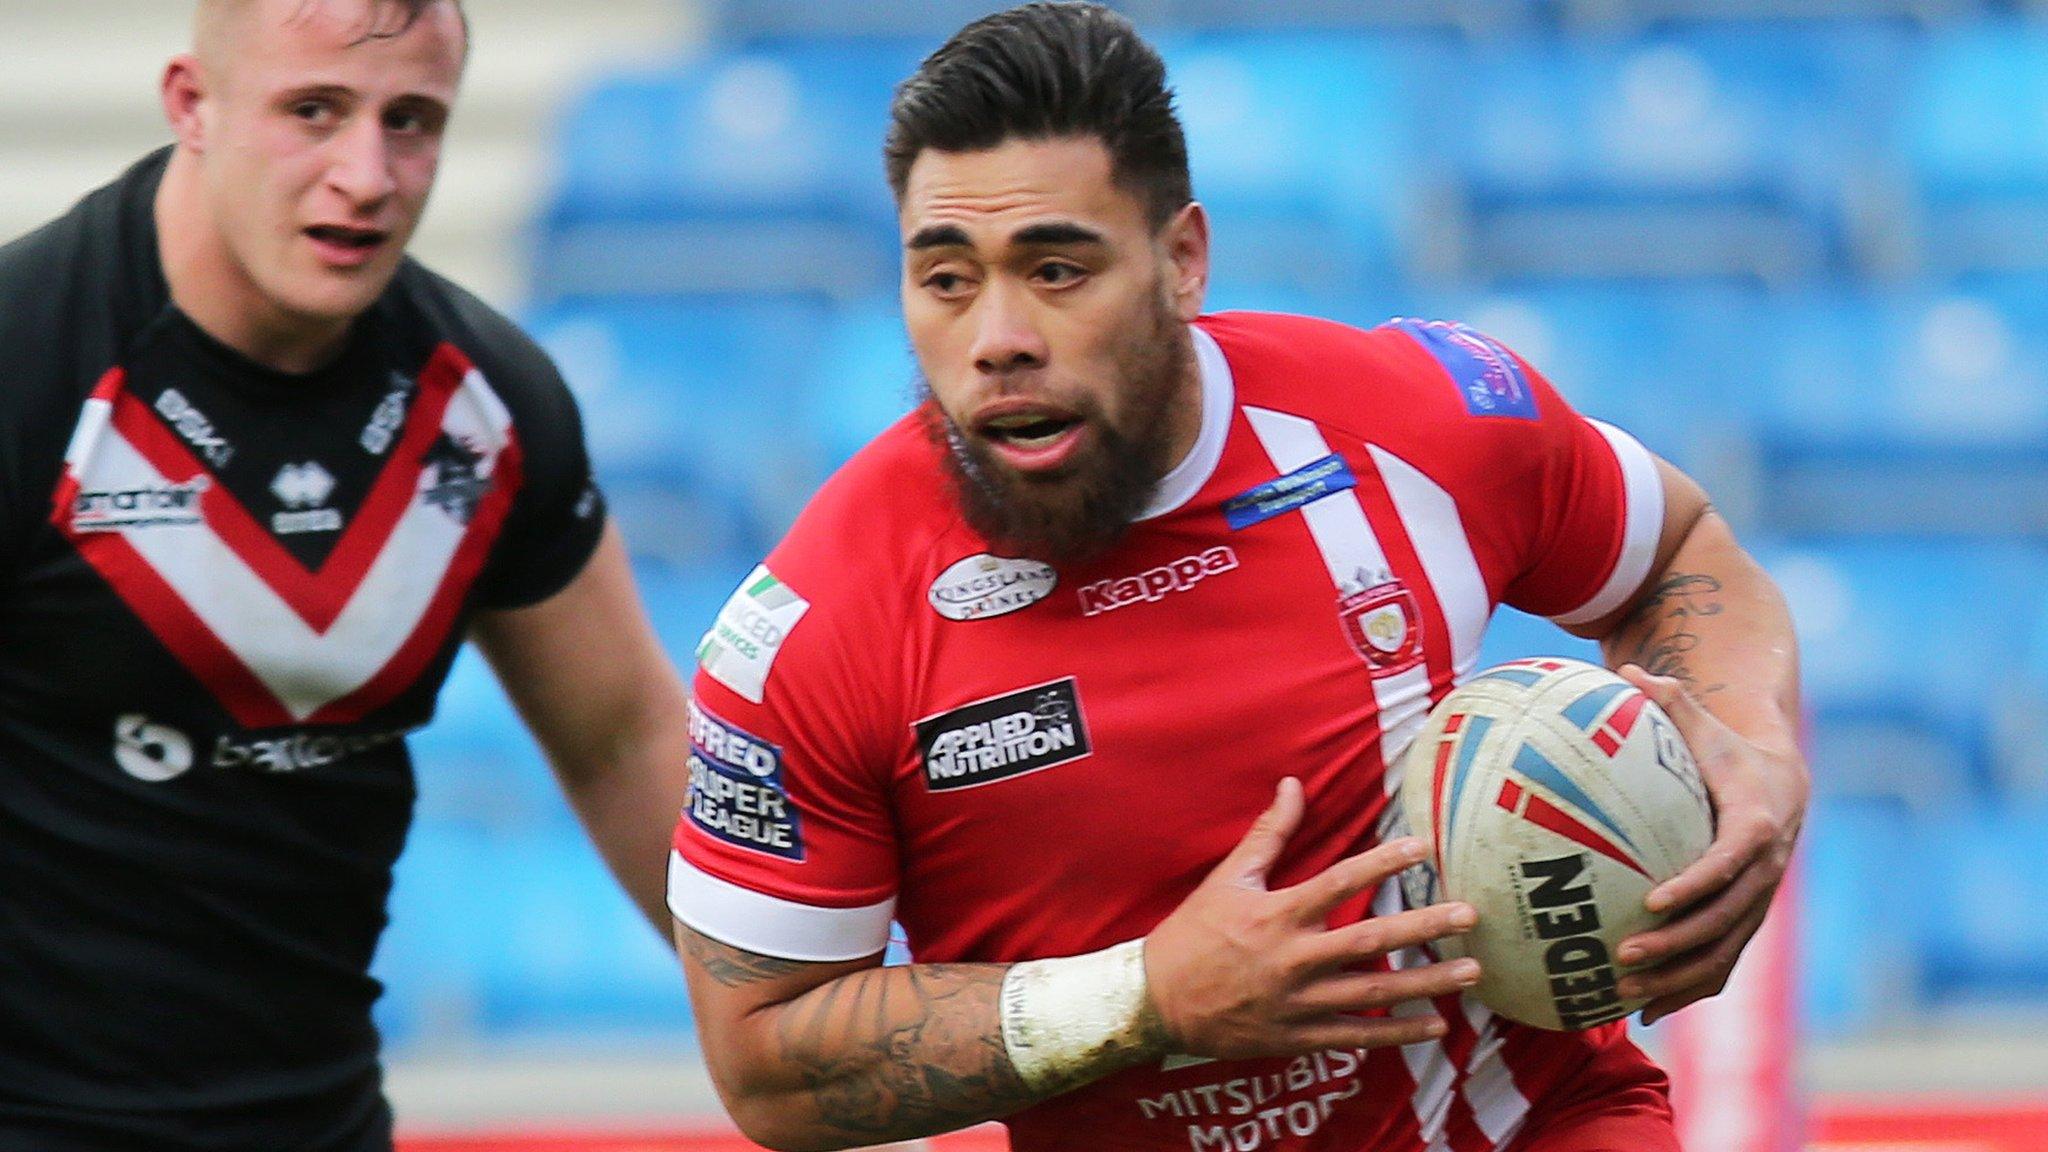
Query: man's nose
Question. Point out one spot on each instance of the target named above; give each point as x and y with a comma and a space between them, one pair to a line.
361, 167
1006, 337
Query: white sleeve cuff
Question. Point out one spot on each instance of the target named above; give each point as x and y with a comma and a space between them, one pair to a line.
772, 926
1643, 490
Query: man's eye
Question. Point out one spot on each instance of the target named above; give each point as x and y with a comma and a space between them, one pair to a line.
409, 123
1058, 273
944, 282
311, 111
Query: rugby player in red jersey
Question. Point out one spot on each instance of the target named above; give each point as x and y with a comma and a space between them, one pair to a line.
1093, 673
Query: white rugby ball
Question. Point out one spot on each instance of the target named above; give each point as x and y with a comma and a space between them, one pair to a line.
1553, 796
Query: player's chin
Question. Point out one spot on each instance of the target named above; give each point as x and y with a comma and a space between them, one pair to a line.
339, 295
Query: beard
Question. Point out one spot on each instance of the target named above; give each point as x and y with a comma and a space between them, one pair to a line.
1081, 512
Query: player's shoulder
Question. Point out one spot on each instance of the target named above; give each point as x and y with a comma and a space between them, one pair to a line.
854, 569
1435, 375
518, 369
73, 292
881, 516
64, 275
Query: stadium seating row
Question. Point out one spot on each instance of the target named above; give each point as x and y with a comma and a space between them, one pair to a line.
714, 417
757, 19
1336, 161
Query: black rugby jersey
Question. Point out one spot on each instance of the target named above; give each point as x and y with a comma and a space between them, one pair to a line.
226, 593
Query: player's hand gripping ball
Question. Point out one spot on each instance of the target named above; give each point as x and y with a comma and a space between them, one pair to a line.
1553, 796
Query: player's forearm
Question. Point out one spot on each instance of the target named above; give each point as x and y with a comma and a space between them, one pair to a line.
629, 807
874, 1055
1714, 621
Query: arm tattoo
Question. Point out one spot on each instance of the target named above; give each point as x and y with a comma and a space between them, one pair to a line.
732, 967
1661, 634
895, 1053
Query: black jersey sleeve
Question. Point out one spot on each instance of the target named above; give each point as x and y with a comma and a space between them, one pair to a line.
59, 321
559, 515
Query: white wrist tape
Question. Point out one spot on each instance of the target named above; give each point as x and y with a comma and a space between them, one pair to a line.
1070, 1020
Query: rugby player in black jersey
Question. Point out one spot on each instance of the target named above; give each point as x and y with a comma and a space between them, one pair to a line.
260, 475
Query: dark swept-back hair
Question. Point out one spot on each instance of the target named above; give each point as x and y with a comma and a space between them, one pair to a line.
1040, 71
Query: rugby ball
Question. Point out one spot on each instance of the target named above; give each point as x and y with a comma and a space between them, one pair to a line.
1553, 796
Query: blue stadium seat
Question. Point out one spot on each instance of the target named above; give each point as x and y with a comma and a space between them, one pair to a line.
1987, 942
2020, 730
1976, 146
509, 935
565, 953
476, 764
1299, 145
1919, 364
427, 957
1905, 644
746, 171
756, 20
1468, 16
1878, 407
682, 601
863, 380
1703, 152
686, 403
1859, 967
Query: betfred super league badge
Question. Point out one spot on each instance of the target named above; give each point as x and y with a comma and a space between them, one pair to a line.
1383, 625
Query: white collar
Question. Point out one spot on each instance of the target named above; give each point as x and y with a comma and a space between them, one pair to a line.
1218, 397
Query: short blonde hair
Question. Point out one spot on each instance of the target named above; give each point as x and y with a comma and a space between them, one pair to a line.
213, 21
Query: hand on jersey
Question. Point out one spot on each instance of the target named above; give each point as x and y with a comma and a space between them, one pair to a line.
1720, 901
1241, 970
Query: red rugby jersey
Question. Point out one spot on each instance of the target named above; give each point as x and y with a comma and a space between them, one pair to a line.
1015, 761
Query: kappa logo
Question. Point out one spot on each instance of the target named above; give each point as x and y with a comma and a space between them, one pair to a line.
302, 489
193, 425
982, 586
1155, 584
1028, 730
158, 505
456, 488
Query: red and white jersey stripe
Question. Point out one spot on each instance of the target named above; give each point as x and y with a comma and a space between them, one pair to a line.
894, 721
278, 643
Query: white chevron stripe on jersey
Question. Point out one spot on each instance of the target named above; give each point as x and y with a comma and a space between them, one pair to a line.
304, 668
1498, 1106
1349, 547
1431, 517
1429, 1065
1496, 1103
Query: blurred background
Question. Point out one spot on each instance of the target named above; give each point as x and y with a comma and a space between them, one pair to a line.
1800, 247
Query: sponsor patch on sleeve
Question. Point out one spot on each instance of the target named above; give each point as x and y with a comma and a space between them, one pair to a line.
1298, 489
741, 646
1489, 379
736, 788
1003, 736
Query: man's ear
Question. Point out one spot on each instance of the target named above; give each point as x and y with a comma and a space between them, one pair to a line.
1186, 238
183, 91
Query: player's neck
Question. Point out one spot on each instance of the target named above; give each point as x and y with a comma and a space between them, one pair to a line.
211, 287
1184, 415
